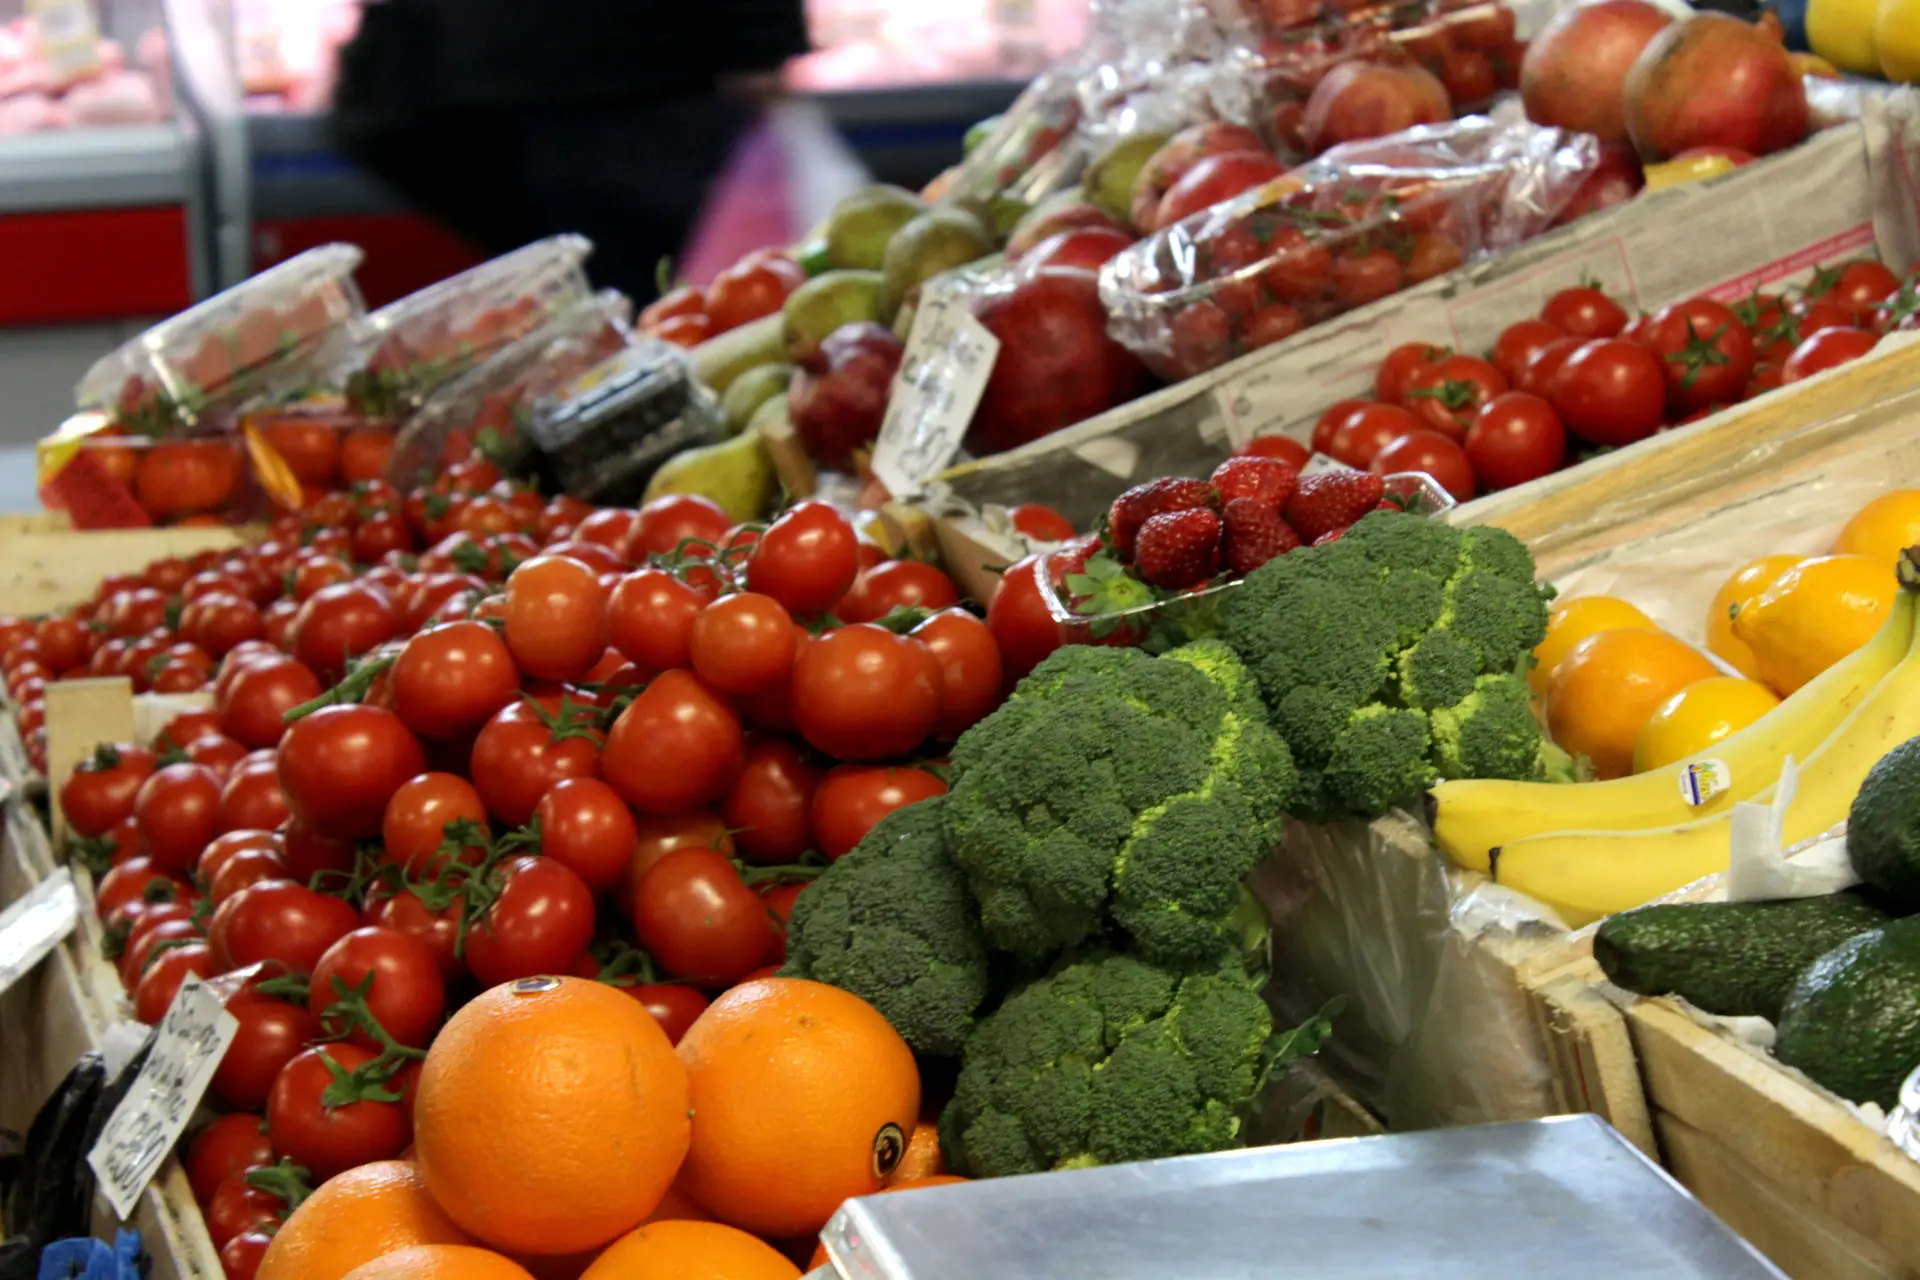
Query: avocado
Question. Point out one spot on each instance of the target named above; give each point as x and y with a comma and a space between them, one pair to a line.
1735, 959
1883, 827
1852, 1021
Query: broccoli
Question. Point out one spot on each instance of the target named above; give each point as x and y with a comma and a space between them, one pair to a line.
1110, 1059
1114, 788
892, 922
1374, 655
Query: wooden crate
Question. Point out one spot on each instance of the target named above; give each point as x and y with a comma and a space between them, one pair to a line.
44, 566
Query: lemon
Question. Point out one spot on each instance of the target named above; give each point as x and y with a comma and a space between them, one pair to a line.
1884, 527
1571, 621
1897, 34
1842, 32
1697, 717
1735, 594
1813, 615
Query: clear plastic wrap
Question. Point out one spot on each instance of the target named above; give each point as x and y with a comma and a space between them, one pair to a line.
1364, 221
179, 375
607, 432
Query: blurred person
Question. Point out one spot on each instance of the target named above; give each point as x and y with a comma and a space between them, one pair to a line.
509, 120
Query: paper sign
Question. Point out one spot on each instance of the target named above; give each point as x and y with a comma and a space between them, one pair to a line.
69, 35
942, 375
36, 924
186, 1051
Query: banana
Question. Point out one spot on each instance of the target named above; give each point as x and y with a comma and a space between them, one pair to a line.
1585, 875
1471, 817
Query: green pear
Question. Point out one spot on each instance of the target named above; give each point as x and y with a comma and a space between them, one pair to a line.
979, 133
751, 390
936, 241
1110, 179
863, 223
737, 474
826, 302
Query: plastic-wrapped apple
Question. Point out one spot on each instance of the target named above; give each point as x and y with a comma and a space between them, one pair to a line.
838, 396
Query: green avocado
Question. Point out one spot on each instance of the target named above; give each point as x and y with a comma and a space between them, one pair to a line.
1852, 1021
1883, 827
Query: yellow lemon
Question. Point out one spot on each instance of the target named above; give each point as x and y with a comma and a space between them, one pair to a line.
1842, 32
1897, 38
1697, 717
1604, 692
1813, 615
1735, 594
1883, 528
1571, 621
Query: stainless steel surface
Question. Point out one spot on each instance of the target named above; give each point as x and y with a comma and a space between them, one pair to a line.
207, 90
1567, 1198
107, 167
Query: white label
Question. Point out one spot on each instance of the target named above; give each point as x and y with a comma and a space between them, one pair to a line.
1702, 780
1320, 462
942, 375
36, 924
149, 1120
69, 35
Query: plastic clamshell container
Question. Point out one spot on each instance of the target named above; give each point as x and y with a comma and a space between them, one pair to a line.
609, 432
1429, 500
229, 346
1566, 1197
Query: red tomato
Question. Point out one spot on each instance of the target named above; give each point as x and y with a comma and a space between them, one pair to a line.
1610, 392
1361, 276
676, 747
1040, 522
309, 854
1368, 430
1813, 314
747, 291
62, 641
340, 765
766, 809
403, 911
1396, 374
230, 1144
1447, 394
668, 522
261, 693
526, 748
673, 1006
896, 584
586, 827
1705, 352
1517, 343
1022, 625
1857, 286
414, 827
1584, 312
743, 643
650, 619
153, 937
686, 300
240, 1257
852, 798
780, 899
1328, 424
270, 1033
136, 878
971, 671
279, 920
694, 915
178, 810
806, 559
235, 1207
1285, 448
163, 978
864, 693
244, 869
312, 1127
541, 919
1827, 349
556, 617
338, 622
100, 792
403, 989
451, 679
1516, 438
1438, 456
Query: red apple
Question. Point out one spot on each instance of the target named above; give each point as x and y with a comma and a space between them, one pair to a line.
1216, 180
1183, 151
1089, 248
1051, 218
1364, 100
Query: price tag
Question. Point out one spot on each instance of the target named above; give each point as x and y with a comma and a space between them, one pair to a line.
69, 35
36, 924
149, 1120
942, 376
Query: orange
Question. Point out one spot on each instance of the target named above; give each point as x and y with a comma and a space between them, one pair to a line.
923, 1159
690, 1251
803, 1096
440, 1262
552, 1115
355, 1217
1610, 685
1883, 528
1571, 621
820, 1258
1697, 717
1813, 615
1746, 585
677, 1205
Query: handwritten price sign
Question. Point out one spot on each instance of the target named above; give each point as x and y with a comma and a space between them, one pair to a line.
942, 375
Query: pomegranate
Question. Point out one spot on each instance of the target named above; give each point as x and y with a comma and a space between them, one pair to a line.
1057, 365
1616, 179
1216, 180
839, 393
1170, 163
1050, 219
1714, 81
1089, 248
1364, 100
1573, 72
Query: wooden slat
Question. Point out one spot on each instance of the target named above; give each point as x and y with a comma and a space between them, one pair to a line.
80, 715
44, 569
1589, 1050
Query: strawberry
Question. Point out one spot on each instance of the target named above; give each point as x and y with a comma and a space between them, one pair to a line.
1332, 500
1269, 480
1178, 549
1255, 534
1156, 497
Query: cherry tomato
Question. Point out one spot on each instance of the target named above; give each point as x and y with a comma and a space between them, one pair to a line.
1705, 352
338, 622
230, 1144
1438, 456
1368, 430
743, 643
1285, 448
673, 1006
415, 823
780, 899
151, 938
971, 671
666, 523
766, 809
1516, 345
650, 617
1331, 419
1040, 522
586, 827
1447, 394
327, 1125
279, 920
1584, 312
1396, 372
437, 929
163, 978
1860, 287
1813, 314
695, 916
261, 693
676, 747
806, 559
240, 1257
1361, 276
451, 679
864, 693
235, 1207
178, 810
747, 291
309, 854
1610, 392
340, 765
519, 755
1544, 366
271, 1032
1827, 349
404, 991
852, 798
541, 920
135, 879
556, 617
252, 799
896, 584
244, 869
100, 792
1022, 625
1516, 438
686, 300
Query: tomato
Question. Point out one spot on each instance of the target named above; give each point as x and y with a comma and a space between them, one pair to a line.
235, 1207
676, 747
851, 798
244, 869
743, 643
518, 756
541, 920
451, 679
404, 992
766, 808
1811, 315
1361, 276
1516, 345
1516, 438
240, 1257
668, 522
780, 899
327, 1126
178, 809
217, 752
280, 920
683, 301
438, 930
1369, 429
1285, 448
696, 917
152, 937
270, 1033
1859, 287
1447, 394
1584, 312
133, 613
896, 584
228, 844
747, 291
673, 1006
971, 671
650, 617
864, 693
1040, 522
338, 622
261, 694
252, 798
1022, 625
62, 641
1827, 349
556, 617
364, 454
99, 794
414, 827
1610, 392
163, 978
1438, 456
230, 1144
340, 765
806, 559
586, 827
1395, 375
1705, 352
136, 878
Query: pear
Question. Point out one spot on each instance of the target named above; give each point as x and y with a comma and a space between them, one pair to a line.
751, 390
978, 133
737, 474
827, 302
1109, 181
936, 241
863, 223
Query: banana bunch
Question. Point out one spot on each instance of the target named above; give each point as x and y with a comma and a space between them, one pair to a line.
1591, 849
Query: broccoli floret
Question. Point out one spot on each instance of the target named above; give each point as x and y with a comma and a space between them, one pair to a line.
1390, 538
1491, 733
1294, 626
1114, 787
1310, 719
1438, 671
1498, 552
1502, 619
892, 921
1107, 1060
1380, 759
